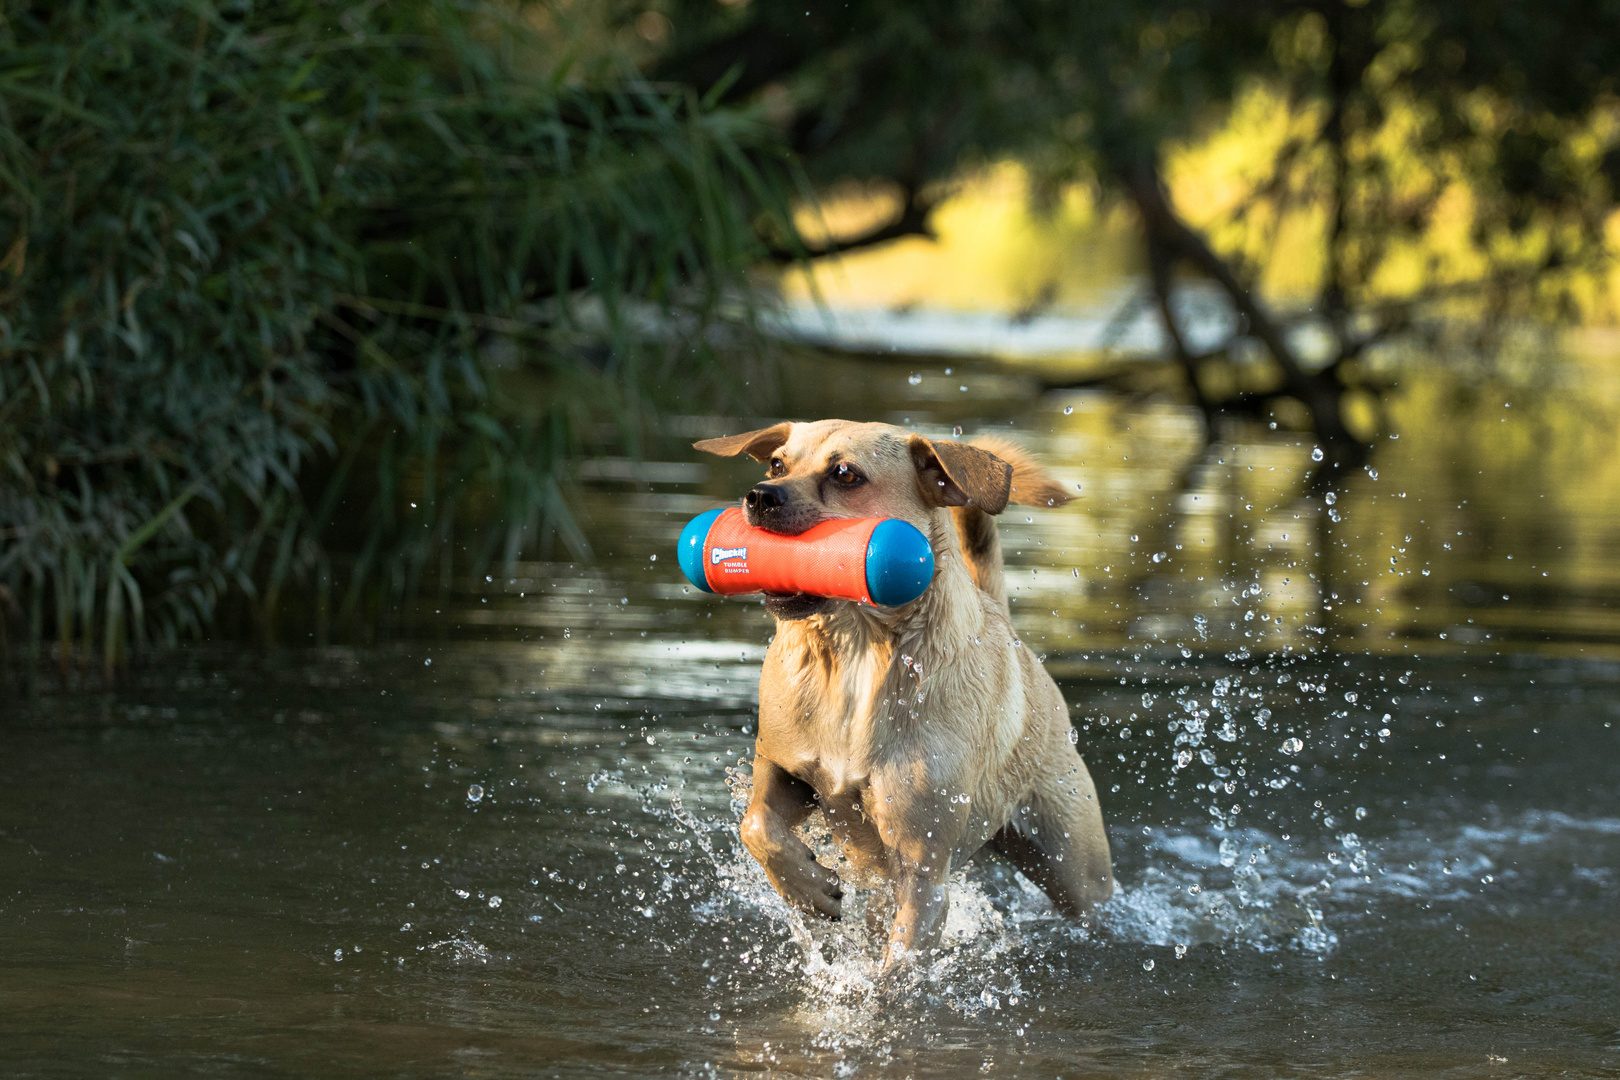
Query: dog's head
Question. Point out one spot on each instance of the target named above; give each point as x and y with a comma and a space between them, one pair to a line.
837, 469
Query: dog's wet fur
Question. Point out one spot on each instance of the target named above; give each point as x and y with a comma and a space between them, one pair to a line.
925, 732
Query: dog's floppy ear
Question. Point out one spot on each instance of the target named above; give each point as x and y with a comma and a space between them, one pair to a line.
952, 474
758, 445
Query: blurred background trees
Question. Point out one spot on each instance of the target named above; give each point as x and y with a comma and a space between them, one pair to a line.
1450, 168
324, 299
328, 296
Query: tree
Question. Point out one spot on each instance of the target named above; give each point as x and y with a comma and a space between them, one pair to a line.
1478, 143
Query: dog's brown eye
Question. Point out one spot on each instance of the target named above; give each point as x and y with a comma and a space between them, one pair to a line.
847, 476
777, 468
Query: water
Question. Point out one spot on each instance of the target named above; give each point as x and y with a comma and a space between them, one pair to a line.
237, 867
504, 845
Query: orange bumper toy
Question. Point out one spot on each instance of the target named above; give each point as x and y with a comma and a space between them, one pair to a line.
882, 561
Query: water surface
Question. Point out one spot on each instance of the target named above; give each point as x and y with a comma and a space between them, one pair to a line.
1363, 810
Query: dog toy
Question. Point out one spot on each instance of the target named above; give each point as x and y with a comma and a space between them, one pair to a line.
882, 561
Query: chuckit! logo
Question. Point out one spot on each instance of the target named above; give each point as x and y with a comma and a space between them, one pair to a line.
719, 555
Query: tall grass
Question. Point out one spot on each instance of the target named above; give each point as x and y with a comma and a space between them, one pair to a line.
317, 298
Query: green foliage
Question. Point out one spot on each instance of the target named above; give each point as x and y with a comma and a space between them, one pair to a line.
1406, 118
295, 296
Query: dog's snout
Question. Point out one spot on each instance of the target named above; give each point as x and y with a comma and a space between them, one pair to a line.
764, 497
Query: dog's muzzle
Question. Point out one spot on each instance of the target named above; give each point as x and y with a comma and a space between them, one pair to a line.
772, 508
769, 507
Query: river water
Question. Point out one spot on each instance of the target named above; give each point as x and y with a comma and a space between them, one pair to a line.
1359, 783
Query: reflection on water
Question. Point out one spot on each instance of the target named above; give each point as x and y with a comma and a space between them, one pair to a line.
1489, 516
1358, 783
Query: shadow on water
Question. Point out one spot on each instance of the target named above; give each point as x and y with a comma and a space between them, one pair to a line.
506, 845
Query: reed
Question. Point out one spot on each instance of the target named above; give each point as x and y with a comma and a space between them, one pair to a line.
304, 299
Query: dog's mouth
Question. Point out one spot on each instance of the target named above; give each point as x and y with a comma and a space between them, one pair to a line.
796, 605
784, 526
788, 520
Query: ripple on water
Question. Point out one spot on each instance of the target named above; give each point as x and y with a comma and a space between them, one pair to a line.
1181, 888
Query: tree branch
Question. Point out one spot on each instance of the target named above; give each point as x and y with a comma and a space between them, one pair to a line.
1319, 394
1159, 264
913, 221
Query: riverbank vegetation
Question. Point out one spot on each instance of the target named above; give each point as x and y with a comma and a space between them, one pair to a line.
307, 308
317, 298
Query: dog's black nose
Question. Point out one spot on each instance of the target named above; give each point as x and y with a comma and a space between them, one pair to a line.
763, 497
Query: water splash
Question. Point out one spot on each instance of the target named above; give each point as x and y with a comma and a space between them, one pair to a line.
1245, 888
462, 947
1196, 886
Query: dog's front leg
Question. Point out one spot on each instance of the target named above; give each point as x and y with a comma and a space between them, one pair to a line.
921, 901
780, 804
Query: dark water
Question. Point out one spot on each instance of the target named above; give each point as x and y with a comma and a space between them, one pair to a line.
506, 847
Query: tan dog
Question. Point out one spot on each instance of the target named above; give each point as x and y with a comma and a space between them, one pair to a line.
923, 732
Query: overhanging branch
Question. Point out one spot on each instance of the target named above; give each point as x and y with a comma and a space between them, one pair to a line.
1320, 394
913, 221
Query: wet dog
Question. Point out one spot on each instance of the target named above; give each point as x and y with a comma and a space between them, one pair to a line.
926, 732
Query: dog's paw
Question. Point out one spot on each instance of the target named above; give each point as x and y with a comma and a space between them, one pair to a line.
818, 890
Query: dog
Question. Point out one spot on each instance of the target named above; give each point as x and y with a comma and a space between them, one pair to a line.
926, 732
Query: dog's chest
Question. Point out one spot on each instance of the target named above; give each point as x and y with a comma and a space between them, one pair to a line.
840, 718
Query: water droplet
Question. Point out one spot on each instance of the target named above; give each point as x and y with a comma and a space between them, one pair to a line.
1316, 453
1147, 965
1068, 410
1477, 699
1383, 734
1181, 950
915, 378
1074, 737
1361, 813
494, 901
1195, 889
957, 431
428, 662
1183, 758
475, 793
337, 954
1292, 746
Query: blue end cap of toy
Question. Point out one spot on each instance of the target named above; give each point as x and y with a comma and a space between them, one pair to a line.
899, 563
689, 549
